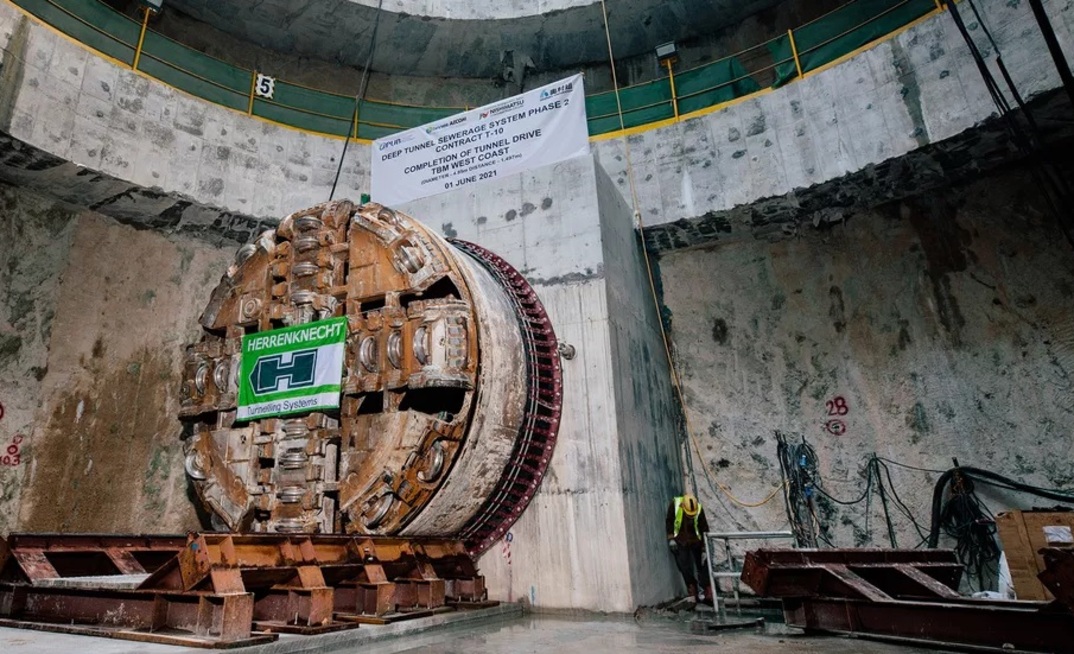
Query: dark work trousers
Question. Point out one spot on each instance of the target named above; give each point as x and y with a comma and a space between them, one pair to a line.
688, 559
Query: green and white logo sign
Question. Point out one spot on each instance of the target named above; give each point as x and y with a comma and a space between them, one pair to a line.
292, 370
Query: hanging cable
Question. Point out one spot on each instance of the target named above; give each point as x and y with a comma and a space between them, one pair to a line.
676, 383
353, 126
1054, 186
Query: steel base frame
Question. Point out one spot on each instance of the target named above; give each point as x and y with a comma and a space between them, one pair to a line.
226, 590
904, 595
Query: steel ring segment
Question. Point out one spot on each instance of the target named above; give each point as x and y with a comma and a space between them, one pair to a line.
544, 401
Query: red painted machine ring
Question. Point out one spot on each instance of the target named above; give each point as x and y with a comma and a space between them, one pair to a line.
544, 402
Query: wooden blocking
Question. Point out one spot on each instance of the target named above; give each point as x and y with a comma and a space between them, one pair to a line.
1023, 534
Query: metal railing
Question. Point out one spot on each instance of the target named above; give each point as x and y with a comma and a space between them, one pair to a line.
773, 63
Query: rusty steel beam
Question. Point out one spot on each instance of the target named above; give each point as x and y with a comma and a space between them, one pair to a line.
216, 590
201, 619
908, 595
836, 572
23, 556
964, 623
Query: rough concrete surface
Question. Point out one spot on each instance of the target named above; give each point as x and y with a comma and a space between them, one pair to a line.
919, 88
647, 414
934, 328
36, 234
765, 153
592, 536
97, 314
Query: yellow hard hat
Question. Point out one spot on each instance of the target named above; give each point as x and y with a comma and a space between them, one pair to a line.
689, 505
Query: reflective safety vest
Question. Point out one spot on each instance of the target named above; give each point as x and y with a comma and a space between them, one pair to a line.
679, 513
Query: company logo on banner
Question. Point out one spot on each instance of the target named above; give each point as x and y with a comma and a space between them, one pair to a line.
534, 129
292, 370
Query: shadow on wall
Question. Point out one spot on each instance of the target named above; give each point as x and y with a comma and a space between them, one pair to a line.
92, 386
938, 327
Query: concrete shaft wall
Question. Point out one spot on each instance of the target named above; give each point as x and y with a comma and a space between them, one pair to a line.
93, 319
917, 89
90, 352
936, 328
592, 537
804, 322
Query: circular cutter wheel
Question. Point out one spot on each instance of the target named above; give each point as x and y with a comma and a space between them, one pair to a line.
451, 384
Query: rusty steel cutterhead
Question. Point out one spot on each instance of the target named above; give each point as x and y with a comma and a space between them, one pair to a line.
451, 389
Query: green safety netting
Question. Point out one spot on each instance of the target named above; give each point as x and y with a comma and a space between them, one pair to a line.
338, 126
314, 101
309, 109
373, 132
783, 55
194, 72
93, 23
643, 103
713, 84
844, 30
386, 114
99, 26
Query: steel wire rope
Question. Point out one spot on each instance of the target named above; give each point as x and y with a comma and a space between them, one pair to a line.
358, 99
640, 227
1054, 186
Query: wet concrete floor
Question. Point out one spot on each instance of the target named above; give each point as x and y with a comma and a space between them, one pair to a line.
589, 635
517, 635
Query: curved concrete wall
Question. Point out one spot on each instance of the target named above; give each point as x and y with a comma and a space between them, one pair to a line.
154, 157
917, 89
465, 39
937, 327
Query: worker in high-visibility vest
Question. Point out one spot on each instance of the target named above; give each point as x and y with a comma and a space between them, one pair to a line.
686, 526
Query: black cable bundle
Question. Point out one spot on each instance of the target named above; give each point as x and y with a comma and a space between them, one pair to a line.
957, 511
966, 519
798, 466
991, 479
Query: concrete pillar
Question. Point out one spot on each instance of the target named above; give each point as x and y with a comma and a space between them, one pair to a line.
593, 537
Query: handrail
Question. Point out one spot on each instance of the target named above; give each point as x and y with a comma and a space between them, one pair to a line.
150, 55
70, 8
853, 29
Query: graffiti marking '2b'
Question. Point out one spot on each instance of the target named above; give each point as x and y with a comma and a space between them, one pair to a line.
837, 406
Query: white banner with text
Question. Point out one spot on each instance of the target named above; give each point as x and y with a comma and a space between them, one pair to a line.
537, 128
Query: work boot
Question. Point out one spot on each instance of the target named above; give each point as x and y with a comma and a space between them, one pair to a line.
691, 591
